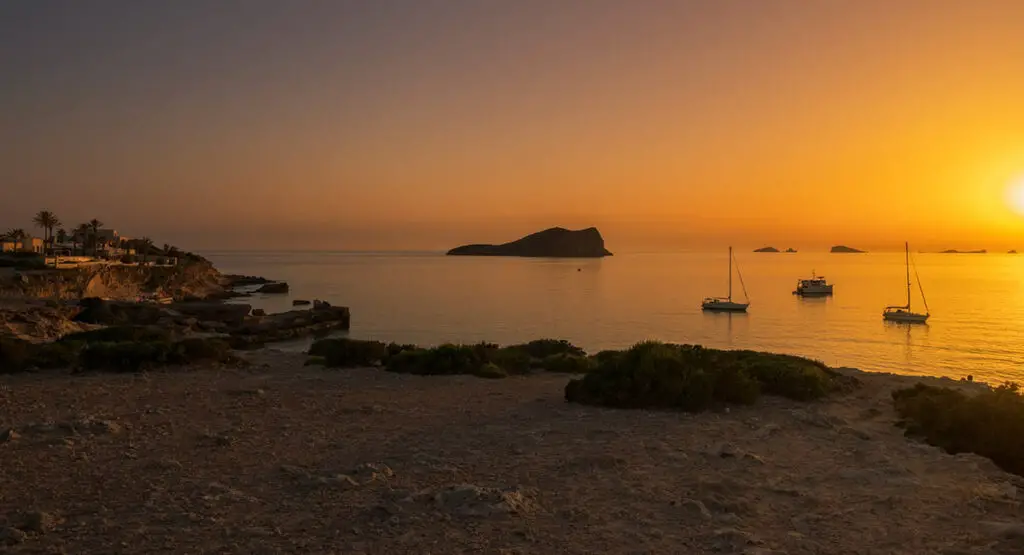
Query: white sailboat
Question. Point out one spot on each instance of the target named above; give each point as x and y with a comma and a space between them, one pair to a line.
726, 304
905, 314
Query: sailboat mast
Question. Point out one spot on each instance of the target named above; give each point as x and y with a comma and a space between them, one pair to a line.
908, 274
730, 274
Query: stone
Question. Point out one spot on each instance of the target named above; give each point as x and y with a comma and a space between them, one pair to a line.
318, 304
695, 508
12, 536
732, 540
259, 312
38, 522
229, 314
468, 500
276, 288
300, 302
9, 435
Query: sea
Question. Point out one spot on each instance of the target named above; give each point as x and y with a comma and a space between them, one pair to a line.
427, 298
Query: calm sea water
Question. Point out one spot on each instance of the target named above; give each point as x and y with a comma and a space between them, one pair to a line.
976, 301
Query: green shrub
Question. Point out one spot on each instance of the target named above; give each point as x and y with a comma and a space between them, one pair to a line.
138, 356
57, 354
693, 378
787, 376
125, 357
990, 423
543, 348
449, 359
395, 348
490, 370
512, 360
119, 334
192, 350
349, 353
568, 363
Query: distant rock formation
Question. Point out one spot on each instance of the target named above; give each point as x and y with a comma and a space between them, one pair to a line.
556, 242
790, 250
954, 251
843, 249
767, 249
277, 288
1012, 252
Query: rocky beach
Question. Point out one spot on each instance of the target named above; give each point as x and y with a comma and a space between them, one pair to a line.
277, 457
242, 448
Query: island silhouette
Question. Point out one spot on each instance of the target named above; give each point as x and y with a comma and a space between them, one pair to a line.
843, 249
556, 242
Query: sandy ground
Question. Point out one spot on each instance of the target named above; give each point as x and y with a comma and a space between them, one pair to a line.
279, 458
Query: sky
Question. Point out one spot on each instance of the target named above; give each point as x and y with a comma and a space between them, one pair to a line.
424, 124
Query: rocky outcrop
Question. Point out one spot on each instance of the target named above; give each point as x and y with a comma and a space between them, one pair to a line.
232, 315
116, 281
767, 249
281, 326
276, 288
236, 280
556, 242
843, 249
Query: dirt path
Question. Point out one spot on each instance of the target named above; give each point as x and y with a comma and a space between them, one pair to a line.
284, 459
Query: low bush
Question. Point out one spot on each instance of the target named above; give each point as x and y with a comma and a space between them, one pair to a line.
349, 353
482, 359
119, 334
693, 378
17, 355
490, 370
990, 423
568, 363
543, 348
138, 356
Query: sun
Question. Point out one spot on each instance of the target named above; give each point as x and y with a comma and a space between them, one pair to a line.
1015, 195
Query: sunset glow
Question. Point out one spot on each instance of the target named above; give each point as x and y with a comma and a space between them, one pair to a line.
409, 125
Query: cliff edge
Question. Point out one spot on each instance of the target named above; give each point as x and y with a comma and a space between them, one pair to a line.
556, 242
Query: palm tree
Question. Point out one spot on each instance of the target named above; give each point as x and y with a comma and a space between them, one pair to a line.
16, 234
145, 243
94, 225
62, 236
81, 233
46, 220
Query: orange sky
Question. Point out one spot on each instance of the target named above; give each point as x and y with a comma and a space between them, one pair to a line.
412, 125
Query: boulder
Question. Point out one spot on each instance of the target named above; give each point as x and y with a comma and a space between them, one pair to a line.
100, 311
556, 242
299, 302
279, 287
229, 314
259, 312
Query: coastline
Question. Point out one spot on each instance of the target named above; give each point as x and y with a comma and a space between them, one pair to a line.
280, 456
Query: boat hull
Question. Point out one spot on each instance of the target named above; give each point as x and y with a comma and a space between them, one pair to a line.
724, 306
814, 291
905, 317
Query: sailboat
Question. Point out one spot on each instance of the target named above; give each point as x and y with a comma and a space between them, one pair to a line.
726, 304
904, 313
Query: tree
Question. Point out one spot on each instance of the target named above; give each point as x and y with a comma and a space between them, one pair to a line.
16, 234
81, 235
94, 225
62, 236
145, 244
46, 220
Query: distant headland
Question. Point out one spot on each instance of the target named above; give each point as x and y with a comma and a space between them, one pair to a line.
843, 249
773, 249
556, 242
954, 251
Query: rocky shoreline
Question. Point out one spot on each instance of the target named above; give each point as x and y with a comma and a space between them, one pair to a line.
189, 301
277, 457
